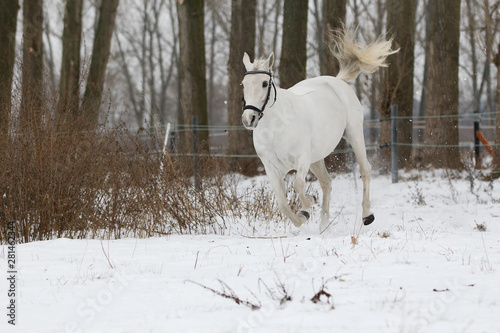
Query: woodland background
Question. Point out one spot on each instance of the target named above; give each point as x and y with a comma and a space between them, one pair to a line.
164, 61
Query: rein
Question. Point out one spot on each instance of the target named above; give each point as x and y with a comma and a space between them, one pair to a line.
271, 83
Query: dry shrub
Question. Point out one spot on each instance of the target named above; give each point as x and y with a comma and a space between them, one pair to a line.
60, 179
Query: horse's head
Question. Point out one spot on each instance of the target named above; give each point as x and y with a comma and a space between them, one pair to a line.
256, 85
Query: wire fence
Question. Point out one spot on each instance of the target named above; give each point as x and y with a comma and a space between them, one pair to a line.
418, 123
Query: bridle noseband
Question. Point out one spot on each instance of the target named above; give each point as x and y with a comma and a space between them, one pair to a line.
271, 83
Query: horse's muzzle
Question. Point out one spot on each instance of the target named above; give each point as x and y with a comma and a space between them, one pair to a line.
250, 119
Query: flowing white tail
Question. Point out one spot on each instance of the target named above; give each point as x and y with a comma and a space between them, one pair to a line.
353, 58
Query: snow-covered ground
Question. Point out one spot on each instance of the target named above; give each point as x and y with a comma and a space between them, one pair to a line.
422, 266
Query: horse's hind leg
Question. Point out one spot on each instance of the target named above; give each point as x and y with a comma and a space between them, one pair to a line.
277, 183
319, 170
354, 134
300, 187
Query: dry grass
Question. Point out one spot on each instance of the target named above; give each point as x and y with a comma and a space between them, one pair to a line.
59, 179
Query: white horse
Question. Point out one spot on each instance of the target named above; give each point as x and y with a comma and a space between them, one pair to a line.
302, 125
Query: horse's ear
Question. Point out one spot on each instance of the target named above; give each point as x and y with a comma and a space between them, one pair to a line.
270, 61
246, 61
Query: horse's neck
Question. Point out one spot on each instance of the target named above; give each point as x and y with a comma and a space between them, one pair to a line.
274, 99
282, 106
278, 99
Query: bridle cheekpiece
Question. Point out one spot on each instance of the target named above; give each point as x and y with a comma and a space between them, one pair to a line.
271, 83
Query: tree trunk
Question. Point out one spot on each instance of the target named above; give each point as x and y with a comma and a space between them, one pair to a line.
418, 156
294, 48
277, 14
377, 83
130, 82
69, 90
242, 40
8, 23
442, 86
399, 79
334, 16
262, 26
488, 48
211, 66
496, 155
192, 76
100, 55
32, 85
472, 40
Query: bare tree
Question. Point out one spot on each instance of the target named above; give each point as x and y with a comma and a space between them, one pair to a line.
147, 57
334, 16
8, 24
192, 76
496, 62
137, 109
488, 48
356, 23
242, 40
294, 48
69, 87
496, 155
441, 127
476, 93
32, 85
399, 78
277, 14
100, 54
48, 56
269, 21
211, 59
425, 76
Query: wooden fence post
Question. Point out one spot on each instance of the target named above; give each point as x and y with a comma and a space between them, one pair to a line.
394, 143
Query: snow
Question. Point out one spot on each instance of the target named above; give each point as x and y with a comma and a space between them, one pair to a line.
418, 268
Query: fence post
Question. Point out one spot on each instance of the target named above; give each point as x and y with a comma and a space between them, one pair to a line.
196, 156
476, 141
394, 143
167, 137
165, 144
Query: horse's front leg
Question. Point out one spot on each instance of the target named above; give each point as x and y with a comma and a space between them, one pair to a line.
276, 178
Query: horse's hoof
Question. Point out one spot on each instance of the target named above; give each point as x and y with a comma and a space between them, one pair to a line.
305, 214
369, 219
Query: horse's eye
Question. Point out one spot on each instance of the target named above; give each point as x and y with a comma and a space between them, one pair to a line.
241, 85
264, 84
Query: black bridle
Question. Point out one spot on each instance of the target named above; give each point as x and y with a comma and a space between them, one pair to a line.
270, 83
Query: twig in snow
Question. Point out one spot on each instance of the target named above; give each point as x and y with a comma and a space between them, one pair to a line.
228, 292
107, 255
328, 226
196, 262
283, 297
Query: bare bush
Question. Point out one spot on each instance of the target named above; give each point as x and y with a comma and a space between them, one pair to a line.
64, 179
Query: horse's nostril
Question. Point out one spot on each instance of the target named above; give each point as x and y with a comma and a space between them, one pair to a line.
253, 119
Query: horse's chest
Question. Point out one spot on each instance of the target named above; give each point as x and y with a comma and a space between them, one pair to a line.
279, 151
